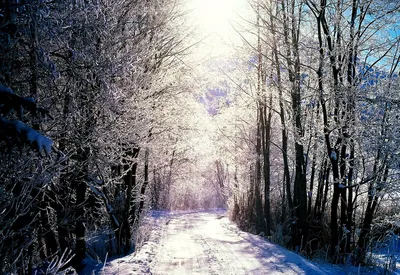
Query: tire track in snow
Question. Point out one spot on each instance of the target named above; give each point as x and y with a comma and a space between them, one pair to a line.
179, 252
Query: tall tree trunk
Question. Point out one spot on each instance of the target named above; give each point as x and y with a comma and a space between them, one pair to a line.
320, 189
326, 191
257, 184
277, 66
266, 138
343, 201
293, 65
374, 187
333, 152
265, 119
310, 192
145, 182
129, 212
251, 195
260, 130
350, 203
373, 197
80, 189
351, 75
169, 181
236, 207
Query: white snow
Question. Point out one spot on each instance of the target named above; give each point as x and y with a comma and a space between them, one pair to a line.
206, 242
42, 142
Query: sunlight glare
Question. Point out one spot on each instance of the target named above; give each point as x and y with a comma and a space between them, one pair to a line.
214, 19
214, 16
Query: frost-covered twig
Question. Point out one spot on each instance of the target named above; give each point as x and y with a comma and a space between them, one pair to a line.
104, 264
57, 263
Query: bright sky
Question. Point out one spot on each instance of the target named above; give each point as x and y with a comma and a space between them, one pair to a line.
214, 19
214, 15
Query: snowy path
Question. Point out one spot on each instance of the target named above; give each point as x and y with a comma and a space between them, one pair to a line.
208, 243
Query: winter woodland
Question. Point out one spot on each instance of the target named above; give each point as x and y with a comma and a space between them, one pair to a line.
284, 112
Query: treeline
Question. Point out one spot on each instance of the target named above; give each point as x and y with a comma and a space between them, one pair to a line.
84, 85
314, 125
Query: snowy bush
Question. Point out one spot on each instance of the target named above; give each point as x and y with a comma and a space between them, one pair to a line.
14, 132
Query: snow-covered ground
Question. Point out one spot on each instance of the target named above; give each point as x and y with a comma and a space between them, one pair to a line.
206, 242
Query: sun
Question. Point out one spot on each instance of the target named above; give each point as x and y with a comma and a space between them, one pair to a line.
215, 19
214, 16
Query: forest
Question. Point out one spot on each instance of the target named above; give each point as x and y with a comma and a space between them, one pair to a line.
284, 112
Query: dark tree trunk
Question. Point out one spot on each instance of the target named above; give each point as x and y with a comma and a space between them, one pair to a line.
80, 186
257, 186
327, 185
128, 216
257, 183
236, 208
351, 74
251, 196
266, 138
265, 130
168, 182
373, 198
277, 67
310, 194
320, 189
350, 206
334, 210
343, 201
145, 182
293, 64
332, 153
374, 189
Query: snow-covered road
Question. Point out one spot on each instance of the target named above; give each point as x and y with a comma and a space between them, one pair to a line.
206, 242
